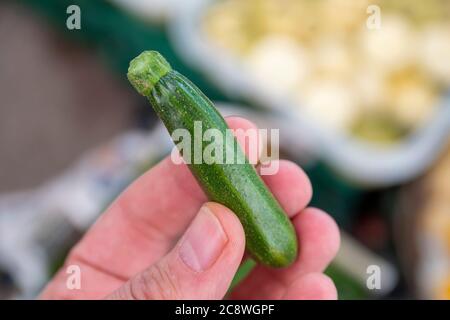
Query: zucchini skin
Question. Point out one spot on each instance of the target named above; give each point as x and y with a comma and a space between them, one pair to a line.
270, 235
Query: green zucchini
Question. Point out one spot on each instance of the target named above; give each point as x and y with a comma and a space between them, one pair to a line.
270, 236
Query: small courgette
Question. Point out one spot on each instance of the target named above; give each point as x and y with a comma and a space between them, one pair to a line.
270, 236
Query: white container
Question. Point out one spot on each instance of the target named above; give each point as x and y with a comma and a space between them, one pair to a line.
364, 164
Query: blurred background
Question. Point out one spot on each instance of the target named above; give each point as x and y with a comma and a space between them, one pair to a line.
358, 89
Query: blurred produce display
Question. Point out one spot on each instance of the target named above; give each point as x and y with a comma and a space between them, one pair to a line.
379, 85
117, 36
376, 82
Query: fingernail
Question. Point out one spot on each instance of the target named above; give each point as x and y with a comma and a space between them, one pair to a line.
204, 241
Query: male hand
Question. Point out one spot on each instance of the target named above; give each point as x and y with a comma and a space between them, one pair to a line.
161, 239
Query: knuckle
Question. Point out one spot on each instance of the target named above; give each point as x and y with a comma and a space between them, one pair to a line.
156, 283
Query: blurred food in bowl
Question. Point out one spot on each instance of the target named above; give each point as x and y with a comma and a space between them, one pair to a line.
378, 80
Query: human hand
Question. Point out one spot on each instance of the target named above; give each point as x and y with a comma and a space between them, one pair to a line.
161, 239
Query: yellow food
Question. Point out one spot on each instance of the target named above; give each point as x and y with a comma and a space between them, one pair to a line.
349, 50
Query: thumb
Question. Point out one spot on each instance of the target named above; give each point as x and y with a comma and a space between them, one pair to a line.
202, 264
